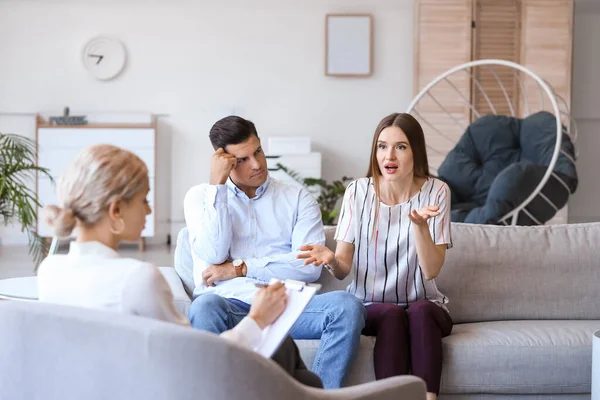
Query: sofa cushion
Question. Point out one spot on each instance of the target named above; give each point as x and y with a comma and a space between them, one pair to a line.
361, 370
498, 162
511, 273
535, 357
183, 262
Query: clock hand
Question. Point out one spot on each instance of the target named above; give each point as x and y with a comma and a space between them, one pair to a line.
97, 56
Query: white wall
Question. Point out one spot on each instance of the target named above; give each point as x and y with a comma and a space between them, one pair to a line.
198, 61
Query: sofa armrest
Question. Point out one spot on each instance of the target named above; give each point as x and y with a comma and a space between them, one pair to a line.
181, 299
396, 388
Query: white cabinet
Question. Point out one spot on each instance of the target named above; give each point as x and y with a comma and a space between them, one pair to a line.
305, 165
58, 145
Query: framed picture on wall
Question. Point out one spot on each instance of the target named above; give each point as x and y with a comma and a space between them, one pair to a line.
348, 45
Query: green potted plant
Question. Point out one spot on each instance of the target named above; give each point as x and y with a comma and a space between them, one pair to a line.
329, 197
18, 203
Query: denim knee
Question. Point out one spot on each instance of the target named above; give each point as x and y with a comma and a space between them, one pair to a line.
349, 308
207, 304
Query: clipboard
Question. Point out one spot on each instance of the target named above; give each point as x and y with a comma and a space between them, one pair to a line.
299, 294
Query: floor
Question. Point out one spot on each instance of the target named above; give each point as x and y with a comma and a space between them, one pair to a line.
15, 260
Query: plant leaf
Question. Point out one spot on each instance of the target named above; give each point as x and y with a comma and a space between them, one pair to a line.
330, 196
18, 202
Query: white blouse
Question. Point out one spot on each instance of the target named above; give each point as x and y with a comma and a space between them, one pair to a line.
93, 275
386, 266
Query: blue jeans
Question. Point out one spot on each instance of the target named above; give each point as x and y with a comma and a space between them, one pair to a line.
337, 318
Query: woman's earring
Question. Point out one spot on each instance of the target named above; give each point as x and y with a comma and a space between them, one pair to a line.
118, 231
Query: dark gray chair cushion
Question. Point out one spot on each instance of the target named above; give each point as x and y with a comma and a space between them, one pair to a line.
498, 163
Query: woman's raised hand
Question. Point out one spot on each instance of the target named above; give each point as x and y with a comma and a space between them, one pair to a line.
421, 216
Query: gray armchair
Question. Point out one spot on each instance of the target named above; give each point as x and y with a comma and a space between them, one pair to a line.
57, 352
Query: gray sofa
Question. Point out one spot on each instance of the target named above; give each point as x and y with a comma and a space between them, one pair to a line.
525, 303
55, 352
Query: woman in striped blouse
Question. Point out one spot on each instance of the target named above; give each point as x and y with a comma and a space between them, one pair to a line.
394, 228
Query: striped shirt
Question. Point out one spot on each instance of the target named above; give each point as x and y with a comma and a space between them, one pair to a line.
386, 267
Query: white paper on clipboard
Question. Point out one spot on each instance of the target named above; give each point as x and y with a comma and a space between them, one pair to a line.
299, 294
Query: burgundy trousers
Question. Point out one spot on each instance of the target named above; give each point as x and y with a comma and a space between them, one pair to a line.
409, 340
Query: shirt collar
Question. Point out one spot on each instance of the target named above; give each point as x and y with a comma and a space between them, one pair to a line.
92, 248
259, 191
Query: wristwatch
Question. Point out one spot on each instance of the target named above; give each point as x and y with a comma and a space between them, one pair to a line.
238, 264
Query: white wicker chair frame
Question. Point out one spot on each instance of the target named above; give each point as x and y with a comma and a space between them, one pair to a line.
545, 90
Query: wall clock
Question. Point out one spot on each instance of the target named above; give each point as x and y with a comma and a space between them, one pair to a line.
104, 57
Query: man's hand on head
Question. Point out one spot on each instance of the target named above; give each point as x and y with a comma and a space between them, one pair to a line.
218, 272
221, 164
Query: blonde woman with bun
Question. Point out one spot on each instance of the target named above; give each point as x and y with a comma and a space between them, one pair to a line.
102, 197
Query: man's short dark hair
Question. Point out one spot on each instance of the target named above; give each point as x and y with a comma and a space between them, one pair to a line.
231, 130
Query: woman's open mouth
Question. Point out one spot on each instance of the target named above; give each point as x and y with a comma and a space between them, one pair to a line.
390, 168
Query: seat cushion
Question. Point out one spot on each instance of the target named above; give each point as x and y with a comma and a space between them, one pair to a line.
519, 357
499, 161
361, 370
489, 145
184, 264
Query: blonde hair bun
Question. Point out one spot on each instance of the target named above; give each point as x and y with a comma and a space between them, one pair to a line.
97, 176
61, 221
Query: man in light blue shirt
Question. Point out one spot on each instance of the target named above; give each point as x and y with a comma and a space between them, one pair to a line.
245, 226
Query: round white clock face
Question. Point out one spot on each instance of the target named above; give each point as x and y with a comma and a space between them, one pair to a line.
104, 57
